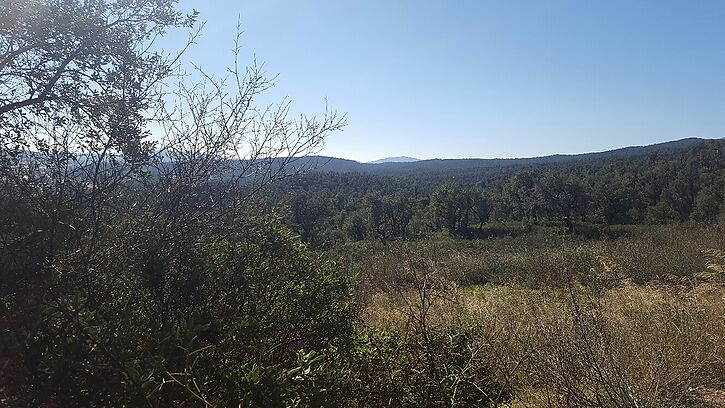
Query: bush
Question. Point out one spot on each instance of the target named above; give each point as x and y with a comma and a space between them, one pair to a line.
445, 367
219, 322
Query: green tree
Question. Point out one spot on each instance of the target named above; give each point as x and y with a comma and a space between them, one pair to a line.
74, 61
564, 197
680, 193
389, 216
482, 208
356, 226
452, 206
520, 198
613, 195
109, 276
76, 78
709, 203
308, 212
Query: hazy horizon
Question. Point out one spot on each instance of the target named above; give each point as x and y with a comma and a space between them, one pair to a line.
395, 156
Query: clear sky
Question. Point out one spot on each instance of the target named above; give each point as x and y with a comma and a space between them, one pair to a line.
450, 79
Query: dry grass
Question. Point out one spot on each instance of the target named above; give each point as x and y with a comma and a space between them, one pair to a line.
676, 254
639, 346
608, 341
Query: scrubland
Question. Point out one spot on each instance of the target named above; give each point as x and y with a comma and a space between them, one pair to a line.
634, 317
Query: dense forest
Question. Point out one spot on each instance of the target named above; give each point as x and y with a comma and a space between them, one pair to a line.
659, 185
219, 261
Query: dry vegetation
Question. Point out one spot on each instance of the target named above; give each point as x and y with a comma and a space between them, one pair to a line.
637, 321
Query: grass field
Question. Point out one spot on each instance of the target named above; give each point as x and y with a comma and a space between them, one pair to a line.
627, 316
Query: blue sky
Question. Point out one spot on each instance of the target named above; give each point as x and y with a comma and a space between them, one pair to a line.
449, 79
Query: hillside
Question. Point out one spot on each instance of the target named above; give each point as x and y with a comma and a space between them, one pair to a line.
332, 164
397, 159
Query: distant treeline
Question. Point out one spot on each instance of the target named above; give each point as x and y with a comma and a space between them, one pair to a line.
660, 187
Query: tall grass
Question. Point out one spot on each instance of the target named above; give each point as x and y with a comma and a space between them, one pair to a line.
637, 321
672, 253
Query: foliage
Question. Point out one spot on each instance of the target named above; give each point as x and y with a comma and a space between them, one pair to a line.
440, 368
82, 63
389, 216
225, 324
655, 188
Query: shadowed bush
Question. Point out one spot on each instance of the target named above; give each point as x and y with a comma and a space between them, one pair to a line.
223, 323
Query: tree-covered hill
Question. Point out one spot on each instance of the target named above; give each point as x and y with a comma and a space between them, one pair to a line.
672, 182
332, 164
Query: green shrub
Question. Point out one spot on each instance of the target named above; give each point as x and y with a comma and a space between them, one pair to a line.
445, 367
219, 322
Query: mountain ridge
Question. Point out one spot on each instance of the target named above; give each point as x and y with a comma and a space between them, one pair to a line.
395, 159
340, 165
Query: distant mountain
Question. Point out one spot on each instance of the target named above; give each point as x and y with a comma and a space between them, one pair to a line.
397, 159
332, 164
454, 167
447, 168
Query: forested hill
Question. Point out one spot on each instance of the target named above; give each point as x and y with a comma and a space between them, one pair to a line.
665, 183
332, 164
